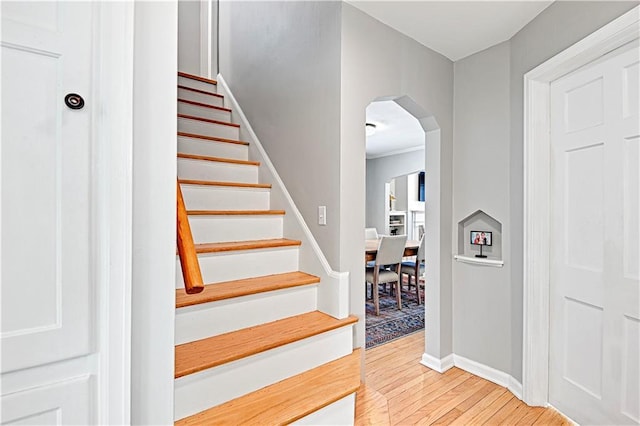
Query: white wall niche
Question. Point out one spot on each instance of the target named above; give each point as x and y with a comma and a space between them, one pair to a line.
480, 221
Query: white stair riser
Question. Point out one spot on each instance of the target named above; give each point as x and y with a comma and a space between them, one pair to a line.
341, 412
237, 265
197, 84
210, 319
208, 129
210, 148
204, 112
210, 197
216, 229
216, 171
190, 95
197, 392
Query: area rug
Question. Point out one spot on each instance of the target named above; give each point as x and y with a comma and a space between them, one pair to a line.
393, 323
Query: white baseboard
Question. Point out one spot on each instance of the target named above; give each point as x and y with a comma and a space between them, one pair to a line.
515, 387
439, 365
496, 376
489, 373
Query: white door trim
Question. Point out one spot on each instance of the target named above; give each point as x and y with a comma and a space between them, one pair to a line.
113, 135
537, 193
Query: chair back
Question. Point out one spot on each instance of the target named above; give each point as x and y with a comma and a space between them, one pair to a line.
370, 234
421, 256
391, 249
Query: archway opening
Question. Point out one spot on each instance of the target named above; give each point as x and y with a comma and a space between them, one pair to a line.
403, 197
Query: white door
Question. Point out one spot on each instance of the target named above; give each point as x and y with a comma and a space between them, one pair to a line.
594, 375
48, 285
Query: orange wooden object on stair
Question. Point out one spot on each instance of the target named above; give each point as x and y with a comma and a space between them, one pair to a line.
186, 249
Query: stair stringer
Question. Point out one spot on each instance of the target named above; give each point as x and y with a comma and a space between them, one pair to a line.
333, 291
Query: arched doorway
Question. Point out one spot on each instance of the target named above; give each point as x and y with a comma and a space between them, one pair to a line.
431, 151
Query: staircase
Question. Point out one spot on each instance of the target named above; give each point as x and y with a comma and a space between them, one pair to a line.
252, 347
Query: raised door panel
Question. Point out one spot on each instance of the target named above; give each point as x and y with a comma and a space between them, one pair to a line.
64, 403
631, 210
630, 399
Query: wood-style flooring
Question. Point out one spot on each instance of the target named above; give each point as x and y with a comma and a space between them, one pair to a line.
401, 391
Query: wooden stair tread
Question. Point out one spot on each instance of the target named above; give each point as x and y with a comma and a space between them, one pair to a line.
218, 159
235, 212
244, 287
200, 104
208, 120
218, 183
288, 400
197, 77
245, 245
213, 351
212, 138
204, 92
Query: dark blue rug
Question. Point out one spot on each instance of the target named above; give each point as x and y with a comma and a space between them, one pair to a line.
393, 323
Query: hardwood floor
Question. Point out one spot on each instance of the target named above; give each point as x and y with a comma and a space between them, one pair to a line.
401, 391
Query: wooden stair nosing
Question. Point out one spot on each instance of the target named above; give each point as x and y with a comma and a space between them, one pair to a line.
244, 287
197, 77
245, 245
226, 184
213, 351
208, 120
200, 104
289, 400
211, 138
217, 159
236, 212
204, 92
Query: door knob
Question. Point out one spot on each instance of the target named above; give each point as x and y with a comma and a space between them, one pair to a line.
74, 101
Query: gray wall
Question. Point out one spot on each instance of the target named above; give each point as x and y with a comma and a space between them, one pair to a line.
378, 61
481, 298
401, 188
290, 64
477, 113
282, 63
304, 73
191, 56
189, 36
382, 170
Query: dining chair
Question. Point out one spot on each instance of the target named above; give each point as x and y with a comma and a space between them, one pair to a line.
390, 251
409, 268
370, 234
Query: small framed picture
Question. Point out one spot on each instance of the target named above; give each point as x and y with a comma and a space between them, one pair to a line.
481, 238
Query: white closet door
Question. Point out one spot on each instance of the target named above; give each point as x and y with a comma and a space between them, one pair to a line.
48, 287
595, 288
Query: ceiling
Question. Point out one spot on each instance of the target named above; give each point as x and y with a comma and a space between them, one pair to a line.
455, 29
397, 131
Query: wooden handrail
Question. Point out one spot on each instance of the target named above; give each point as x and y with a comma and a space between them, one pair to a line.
186, 249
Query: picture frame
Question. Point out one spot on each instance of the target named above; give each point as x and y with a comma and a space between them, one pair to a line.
481, 238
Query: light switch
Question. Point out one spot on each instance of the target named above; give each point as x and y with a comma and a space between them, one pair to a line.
322, 215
